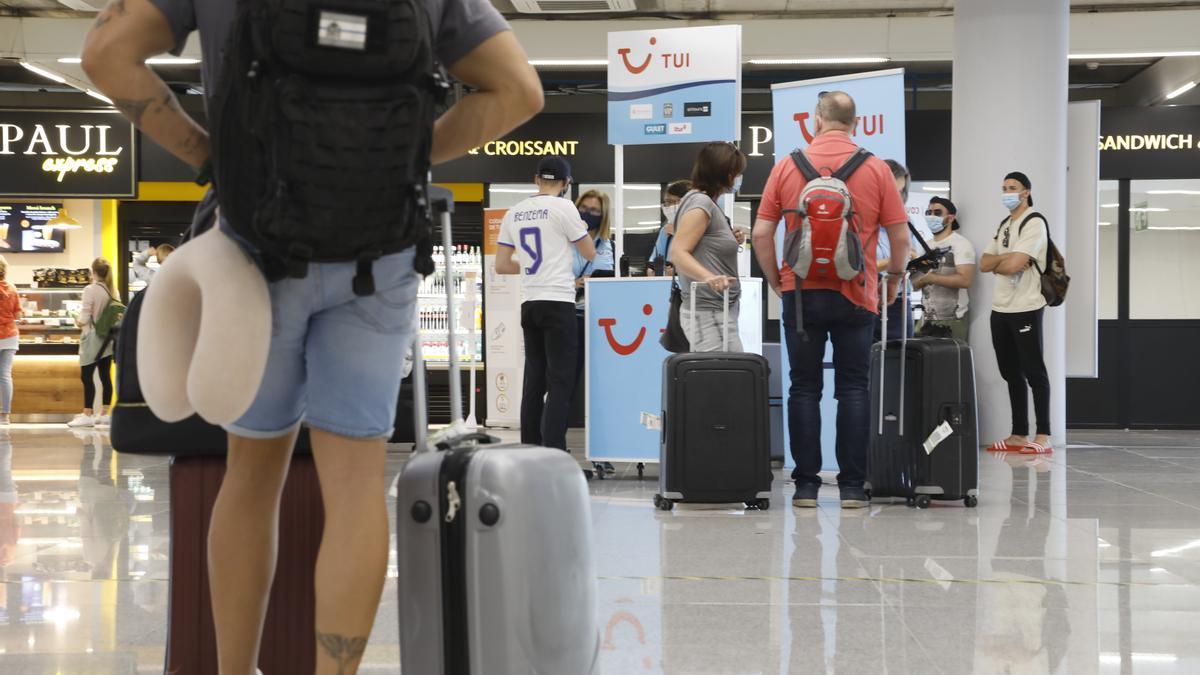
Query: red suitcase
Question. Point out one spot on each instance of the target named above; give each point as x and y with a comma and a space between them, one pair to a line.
288, 644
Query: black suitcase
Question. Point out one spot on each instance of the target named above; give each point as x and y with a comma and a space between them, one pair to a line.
916, 387
716, 438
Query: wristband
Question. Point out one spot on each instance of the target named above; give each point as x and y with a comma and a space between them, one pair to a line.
204, 177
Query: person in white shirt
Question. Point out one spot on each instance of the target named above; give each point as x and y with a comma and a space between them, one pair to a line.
1017, 314
141, 262
945, 297
537, 240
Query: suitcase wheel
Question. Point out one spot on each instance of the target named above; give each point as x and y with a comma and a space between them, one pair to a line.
923, 501
663, 503
910, 501
760, 504
971, 501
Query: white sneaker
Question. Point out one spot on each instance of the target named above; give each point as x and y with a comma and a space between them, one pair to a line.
104, 421
82, 420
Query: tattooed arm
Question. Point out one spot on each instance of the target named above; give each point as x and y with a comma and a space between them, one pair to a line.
124, 35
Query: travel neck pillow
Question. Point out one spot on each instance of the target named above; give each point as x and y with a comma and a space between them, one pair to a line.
204, 332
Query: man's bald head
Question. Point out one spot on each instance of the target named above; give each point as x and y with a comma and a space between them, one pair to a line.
836, 109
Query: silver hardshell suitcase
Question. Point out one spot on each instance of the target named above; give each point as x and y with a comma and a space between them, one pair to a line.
494, 551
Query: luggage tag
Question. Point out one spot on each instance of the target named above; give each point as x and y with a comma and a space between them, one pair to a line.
651, 421
941, 433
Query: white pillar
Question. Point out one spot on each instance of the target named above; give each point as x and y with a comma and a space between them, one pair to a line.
1010, 114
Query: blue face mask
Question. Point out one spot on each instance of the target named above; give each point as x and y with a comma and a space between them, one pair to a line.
737, 184
593, 220
936, 224
1011, 200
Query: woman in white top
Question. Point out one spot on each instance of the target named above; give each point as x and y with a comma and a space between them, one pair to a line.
95, 354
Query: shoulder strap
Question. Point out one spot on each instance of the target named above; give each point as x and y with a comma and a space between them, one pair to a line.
1000, 227
856, 160
916, 233
1030, 217
805, 167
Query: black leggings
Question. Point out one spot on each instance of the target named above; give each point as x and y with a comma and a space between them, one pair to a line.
1018, 342
89, 385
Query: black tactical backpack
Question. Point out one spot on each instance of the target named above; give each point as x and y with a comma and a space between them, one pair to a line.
322, 128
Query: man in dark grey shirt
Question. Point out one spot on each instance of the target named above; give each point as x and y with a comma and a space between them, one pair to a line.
310, 376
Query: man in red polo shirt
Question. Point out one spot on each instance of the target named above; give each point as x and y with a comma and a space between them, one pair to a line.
843, 311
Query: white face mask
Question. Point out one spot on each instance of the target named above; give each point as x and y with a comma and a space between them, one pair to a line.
669, 212
1011, 200
935, 223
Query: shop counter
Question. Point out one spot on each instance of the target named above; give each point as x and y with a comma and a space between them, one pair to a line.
46, 384
623, 361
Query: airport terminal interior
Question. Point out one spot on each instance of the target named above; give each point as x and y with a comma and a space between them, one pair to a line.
1074, 559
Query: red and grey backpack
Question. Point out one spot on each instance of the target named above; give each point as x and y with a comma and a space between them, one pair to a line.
828, 243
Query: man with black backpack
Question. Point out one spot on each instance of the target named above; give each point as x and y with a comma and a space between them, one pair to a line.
323, 131
834, 197
1013, 254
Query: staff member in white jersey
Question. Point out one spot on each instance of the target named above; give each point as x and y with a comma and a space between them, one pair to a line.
536, 238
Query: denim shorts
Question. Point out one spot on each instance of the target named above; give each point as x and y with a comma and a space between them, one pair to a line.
336, 359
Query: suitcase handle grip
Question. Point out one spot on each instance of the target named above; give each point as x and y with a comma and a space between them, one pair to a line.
476, 438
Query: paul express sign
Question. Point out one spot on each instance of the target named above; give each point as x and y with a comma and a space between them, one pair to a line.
60, 153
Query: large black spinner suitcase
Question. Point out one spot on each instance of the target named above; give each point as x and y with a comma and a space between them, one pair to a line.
716, 433
917, 386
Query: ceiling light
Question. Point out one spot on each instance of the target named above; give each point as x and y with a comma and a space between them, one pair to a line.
171, 61
649, 222
1173, 192
98, 95
49, 75
63, 221
513, 191
1128, 55
635, 208
1182, 90
828, 61
1147, 209
1103, 224
936, 188
1162, 553
1113, 658
1109, 206
567, 62
1157, 569
1176, 229
156, 61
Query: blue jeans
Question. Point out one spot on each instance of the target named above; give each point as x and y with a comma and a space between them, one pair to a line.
828, 315
6, 380
336, 358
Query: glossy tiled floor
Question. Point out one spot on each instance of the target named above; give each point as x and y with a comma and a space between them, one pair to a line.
1084, 562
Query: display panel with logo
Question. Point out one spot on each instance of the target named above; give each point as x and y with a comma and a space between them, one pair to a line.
30, 228
67, 153
675, 85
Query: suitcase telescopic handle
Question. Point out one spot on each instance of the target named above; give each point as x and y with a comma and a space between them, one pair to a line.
883, 308
441, 203
724, 315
